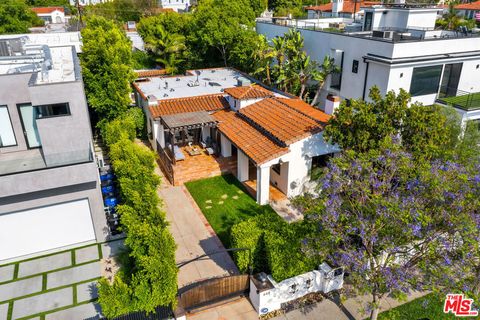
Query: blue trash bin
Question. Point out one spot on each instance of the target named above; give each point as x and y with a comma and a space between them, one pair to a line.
111, 202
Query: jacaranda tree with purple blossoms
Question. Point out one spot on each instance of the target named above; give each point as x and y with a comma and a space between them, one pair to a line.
395, 224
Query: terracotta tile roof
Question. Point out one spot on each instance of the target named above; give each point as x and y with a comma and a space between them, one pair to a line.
469, 6
44, 10
247, 138
284, 124
306, 109
209, 102
150, 73
348, 6
249, 92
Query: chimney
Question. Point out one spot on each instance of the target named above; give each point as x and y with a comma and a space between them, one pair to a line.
331, 103
337, 7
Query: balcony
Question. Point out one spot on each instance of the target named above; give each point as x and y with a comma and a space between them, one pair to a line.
34, 160
463, 100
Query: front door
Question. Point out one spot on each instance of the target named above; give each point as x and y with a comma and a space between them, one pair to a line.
28, 114
367, 26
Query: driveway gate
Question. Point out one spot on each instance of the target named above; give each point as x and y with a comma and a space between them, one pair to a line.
213, 290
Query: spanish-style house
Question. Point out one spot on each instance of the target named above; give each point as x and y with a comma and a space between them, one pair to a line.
50, 14
212, 121
470, 10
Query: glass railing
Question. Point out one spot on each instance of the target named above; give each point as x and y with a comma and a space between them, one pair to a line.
35, 159
460, 99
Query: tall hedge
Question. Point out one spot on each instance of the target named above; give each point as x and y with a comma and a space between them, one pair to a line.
149, 278
275, 246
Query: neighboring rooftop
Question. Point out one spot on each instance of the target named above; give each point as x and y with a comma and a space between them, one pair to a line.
46, 10
348, 6
194, 83
48, 64
469, 6
56, 39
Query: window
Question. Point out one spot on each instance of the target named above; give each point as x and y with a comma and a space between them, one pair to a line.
336, 78
277, 168
7, 137
52, 110
29, 116
425, 80
355, 66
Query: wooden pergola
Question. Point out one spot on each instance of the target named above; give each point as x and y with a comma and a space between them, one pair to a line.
182, 122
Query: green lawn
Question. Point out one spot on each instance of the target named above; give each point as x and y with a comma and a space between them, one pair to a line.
429, 307
467, 102
224, 202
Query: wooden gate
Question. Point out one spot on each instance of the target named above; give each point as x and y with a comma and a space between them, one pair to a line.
213, 290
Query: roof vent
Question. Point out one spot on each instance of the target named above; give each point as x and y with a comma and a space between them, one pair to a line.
213, 71
178, 79
165, 95
243, 82
171, 89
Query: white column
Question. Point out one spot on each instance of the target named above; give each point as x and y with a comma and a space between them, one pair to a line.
205, 133
161, 136
242, 166
226, 146
263, 185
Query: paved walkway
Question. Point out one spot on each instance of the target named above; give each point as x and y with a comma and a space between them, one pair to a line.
56, 286
194, 237
238, 309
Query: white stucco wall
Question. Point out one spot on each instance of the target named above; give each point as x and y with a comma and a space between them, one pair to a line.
299, 161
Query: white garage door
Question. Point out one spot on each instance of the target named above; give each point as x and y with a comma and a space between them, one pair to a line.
31, 231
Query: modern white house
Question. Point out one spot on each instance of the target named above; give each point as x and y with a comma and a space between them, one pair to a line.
272, 139
50, 197
50, 14
394, 47
175, 5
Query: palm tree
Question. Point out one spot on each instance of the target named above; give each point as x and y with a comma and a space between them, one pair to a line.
263, 55
327, 68
167, 47
308, 72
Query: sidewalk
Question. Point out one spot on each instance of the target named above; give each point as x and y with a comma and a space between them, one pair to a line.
351, 310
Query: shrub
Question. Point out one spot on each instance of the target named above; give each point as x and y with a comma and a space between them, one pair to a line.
275, 246
149, 277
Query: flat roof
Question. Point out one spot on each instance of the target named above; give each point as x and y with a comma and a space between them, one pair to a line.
54, 39
195, 83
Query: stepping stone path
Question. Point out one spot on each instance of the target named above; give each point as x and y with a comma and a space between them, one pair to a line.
208, 207
235, 197
73, 275
224, 196
239, 191
86, 254
87, 291
208, 201
44, 264
3, 311
43, 302
6, 273
220, 202
20, 288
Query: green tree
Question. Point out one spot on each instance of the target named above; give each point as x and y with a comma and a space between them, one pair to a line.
47, 3
107, 67
362, 125
263, 55
16, 17
167, 48
218, 25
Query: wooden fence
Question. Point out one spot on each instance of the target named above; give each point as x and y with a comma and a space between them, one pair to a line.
213, 290
166, 164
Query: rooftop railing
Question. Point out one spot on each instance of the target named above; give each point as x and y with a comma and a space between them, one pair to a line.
460, 99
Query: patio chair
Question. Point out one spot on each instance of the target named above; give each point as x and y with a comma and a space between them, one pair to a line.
178, 153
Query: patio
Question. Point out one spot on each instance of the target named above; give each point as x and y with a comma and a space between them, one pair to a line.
201, 166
